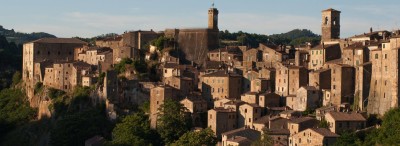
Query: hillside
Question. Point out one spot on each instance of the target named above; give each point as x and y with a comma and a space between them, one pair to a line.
20, 38
293, 37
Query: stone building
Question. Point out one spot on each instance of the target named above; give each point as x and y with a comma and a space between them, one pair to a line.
307, 97
195, 43
128, 44
342, 88
250, 97
320, 54
100, 56
363, 84
65, 75
157, 97
184, 85
313, 136
330, 24
272, 54
240, 137
384, 91
248, 77
355, 54
221, 120
260, 85
320, 79
290, 79
248, 113
297, 125
196, 106
50, 49
269, 100
341, 122
227, 54
221, 84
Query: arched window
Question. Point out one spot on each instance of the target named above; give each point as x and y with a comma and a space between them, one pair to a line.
326, 21
334, 21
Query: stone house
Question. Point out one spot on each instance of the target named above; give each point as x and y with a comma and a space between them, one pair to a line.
158, 95
196, 106
290, 79
355, 54
320, 112
343, 84
221, 120
320, 79
313, 136
290, 114
271, 54
345, 121
45, 49
269, 100
323, 53
250, 97
221, 84
307, 97
227, 54
240, 137
260, 85
184, 85
299, 124
248, 77
248, 113
384, 91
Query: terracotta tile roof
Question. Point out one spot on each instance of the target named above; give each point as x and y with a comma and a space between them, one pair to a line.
213, 65
221, 109
250, 134
304, 120
342, 116
59, 41
357, 45
222, 73
326, 46
324, 132
309, 87
277, 131
239, 139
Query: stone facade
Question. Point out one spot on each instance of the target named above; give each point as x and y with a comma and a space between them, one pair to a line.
313, 136
221, 84
157, 97
330, 24
221, 120
342, 88
248, 113
341, 122
46, 49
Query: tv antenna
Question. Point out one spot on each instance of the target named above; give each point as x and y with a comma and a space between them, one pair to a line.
213, 4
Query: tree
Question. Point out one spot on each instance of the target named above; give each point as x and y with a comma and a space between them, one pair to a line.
73, 129
348, 139
134, 130
16, 78
264, 140
172, 123
390, 129
197, 138
323, 124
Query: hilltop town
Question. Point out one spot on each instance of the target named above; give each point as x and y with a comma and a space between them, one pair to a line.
273, 94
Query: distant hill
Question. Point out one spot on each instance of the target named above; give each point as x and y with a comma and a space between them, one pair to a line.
293, 37
20, 38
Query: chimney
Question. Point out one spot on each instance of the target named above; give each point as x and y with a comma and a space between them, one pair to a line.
370, 30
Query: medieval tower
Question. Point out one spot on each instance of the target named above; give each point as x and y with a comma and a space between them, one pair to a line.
213, 18
330, 24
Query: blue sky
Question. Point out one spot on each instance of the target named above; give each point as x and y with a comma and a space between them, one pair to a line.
88, 18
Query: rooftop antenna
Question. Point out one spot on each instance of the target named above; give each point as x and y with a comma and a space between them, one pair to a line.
212, 5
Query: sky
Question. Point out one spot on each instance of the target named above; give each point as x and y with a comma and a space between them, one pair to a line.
89, 18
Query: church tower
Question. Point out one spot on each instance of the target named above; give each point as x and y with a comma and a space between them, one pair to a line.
213, 18
330, 24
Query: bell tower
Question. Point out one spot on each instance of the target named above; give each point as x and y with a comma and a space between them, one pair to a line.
330, 24
213, 18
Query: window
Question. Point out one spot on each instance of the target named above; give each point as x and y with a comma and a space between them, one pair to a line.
385, 56
210, 116
245, 110
376, 56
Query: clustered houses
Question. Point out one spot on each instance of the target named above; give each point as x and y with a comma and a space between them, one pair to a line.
237, 91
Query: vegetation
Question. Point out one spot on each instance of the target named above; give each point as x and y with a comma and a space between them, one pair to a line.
20, 38
73, 129
134, 130
14, 110
10, 61
348, 139
197, 138
323, 124
172, 123
294, 37
264, 140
